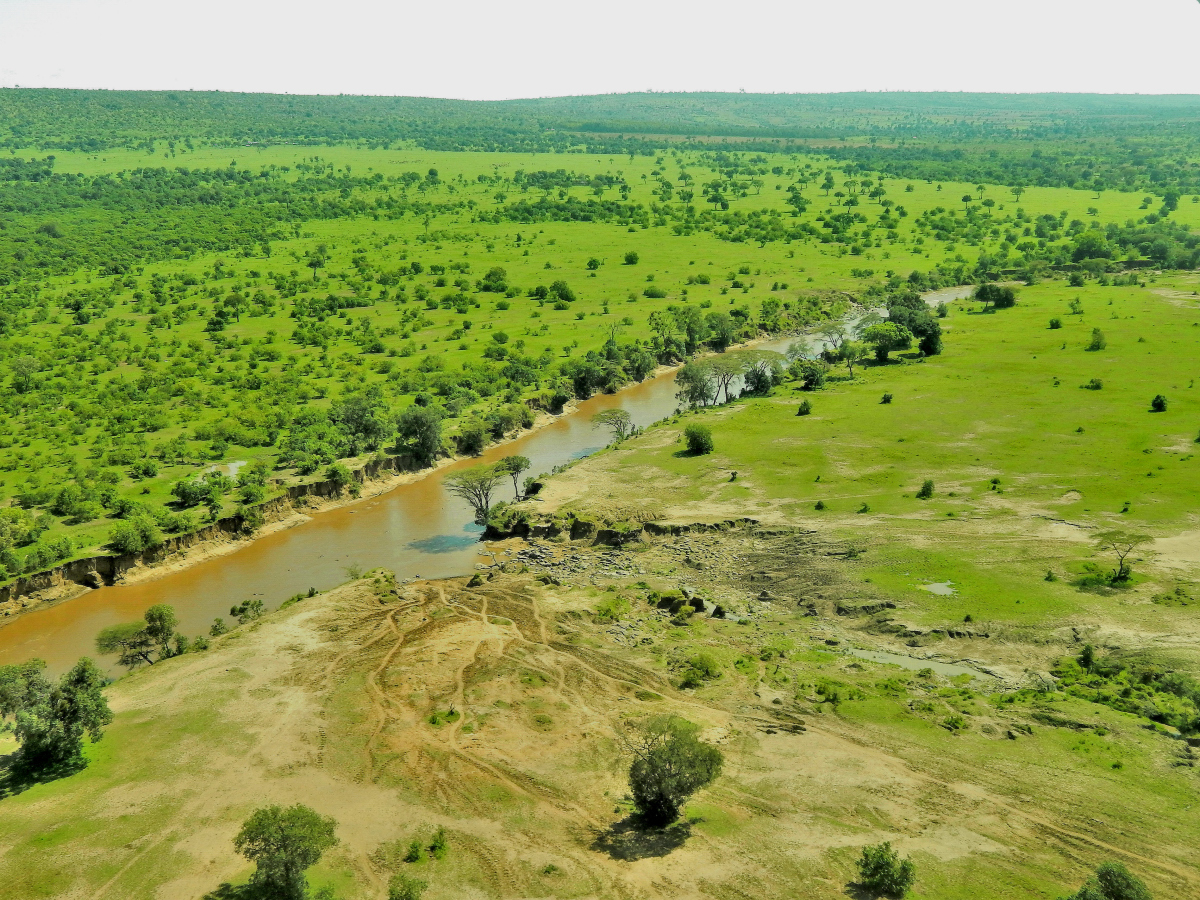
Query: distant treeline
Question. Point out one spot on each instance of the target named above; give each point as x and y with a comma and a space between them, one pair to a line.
1073, 140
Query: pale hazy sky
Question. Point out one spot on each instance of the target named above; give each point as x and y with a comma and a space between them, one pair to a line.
531, 48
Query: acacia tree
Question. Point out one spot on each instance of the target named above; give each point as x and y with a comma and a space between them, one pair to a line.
1121, 544
514, 466
283, 843
618, 420
669, 765
475, 485
851, 353
137, 642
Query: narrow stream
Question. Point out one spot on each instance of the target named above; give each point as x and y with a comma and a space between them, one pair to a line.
416, 530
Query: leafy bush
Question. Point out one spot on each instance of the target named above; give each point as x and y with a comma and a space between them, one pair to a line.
699, 439
926, 491
1159, 403
135, 535
405, 887
1055, 324
804, 409
1098, 341
880, 869
631, 258
1112, 881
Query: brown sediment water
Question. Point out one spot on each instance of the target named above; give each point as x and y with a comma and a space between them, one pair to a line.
416, 530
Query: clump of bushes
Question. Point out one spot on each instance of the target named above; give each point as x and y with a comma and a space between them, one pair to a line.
698, 439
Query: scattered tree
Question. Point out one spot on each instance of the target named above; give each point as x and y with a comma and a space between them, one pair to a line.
52, 720
283, 844
926, 491
887, 337
882, 871
851, 353
475, 485
631, 258
697, 386
141, 642
1121, 544
420, 431
405, 887
1000, 297
670, 764
514, 466
618, 420
1159, 403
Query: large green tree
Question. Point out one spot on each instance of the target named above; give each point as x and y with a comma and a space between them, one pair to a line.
283, 844
52, 720
670, 763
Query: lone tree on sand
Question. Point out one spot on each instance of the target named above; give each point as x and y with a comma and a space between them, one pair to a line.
475, 485
619, 421
1121, 544
282, 843
669, 765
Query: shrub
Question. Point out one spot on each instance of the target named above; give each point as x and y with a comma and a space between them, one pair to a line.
654, 292
1055, 323
612, 609
1159, 403
1112, 881
631, 258
881, 869
1094, 384
1098, 341
699, 439
886, 398
926, 491
805, 408
820, 505
404, 887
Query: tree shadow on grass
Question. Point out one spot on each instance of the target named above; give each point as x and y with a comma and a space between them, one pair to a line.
856, 891
227, 891
16, 777
631, 839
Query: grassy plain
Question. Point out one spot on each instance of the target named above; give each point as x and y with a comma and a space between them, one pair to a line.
1027, 462
209, 381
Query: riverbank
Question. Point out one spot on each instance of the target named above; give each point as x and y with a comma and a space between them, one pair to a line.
297, 505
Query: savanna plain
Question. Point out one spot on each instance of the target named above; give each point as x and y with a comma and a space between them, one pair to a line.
901, 599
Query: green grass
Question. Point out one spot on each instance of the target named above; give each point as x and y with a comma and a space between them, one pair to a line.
209, 383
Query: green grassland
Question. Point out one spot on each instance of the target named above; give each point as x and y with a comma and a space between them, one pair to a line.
129, 386
1027, 461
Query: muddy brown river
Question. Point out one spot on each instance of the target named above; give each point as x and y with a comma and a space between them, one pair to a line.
416, 530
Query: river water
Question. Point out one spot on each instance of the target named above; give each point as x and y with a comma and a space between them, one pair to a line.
416, 530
